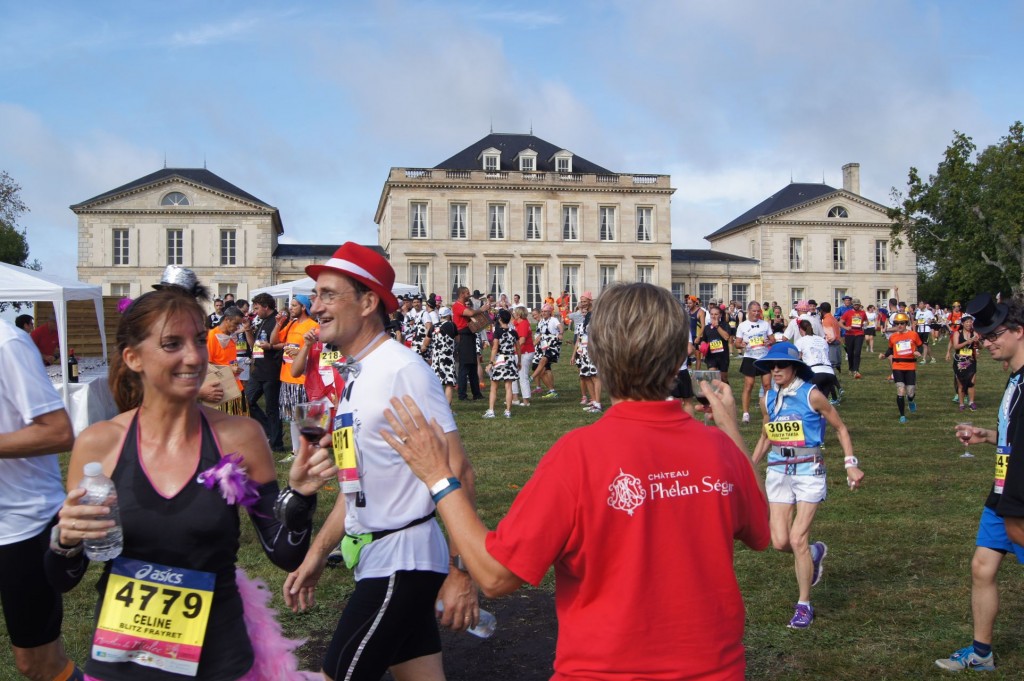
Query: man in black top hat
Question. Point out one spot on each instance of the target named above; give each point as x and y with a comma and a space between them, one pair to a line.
1001, 528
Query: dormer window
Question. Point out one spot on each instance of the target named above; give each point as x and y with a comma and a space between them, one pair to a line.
564, 165
492, 160
174, 199
838, 212
527, 161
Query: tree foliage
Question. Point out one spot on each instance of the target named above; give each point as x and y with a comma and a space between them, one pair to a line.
966, 221
13, 241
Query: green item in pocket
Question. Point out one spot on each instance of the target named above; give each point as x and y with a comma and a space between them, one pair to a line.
352, 545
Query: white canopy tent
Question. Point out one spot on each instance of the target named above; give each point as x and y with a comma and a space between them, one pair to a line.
306, 285
19, 283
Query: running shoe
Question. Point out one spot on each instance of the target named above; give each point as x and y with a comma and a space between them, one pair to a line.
548, 395
335, 558
903, 419
489, 414
962, 407
593, 409
819, 550
913, 407
932, 361
287, 459
972, 406
746, 417
834, 403
856, 375
956, 398
966, 658
584, 400
802, 617
521, 404
516, 403
508, 414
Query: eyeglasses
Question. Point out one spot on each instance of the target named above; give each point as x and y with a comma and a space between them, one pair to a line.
326, 297
994, 335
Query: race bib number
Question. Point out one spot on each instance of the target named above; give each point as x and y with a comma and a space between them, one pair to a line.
346, 456
328, 358
856, 322
500, 361
716, 346
257, 352
154, 615
1002, 462
755, 341
787, 431
966, 351
904, 347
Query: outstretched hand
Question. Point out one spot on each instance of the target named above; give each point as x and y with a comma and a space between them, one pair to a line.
423, 446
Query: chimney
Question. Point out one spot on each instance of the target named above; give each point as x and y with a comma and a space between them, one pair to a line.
851, 178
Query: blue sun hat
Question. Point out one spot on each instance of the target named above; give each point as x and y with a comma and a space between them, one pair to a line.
784, 352
304, 301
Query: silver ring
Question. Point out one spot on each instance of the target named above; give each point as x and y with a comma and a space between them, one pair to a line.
74, 524
405, 439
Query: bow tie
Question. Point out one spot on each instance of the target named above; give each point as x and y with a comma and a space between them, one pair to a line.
347, 367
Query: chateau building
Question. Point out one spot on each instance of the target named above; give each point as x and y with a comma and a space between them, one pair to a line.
513, 213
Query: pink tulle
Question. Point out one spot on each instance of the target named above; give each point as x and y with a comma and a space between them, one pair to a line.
274, 659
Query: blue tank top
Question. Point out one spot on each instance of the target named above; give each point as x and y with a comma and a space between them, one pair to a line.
796, 408
195, 529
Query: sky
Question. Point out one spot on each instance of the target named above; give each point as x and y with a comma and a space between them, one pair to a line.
307, 105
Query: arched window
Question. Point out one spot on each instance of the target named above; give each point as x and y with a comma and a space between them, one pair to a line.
174, 199
838, 212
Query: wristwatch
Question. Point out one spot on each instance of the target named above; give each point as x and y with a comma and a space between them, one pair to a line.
60, 549
457, 563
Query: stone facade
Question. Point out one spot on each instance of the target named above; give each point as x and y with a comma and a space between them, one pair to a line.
507, 230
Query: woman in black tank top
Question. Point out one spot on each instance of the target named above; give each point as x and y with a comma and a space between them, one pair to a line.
171, 602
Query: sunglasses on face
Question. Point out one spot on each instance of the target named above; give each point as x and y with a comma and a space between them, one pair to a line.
778, 365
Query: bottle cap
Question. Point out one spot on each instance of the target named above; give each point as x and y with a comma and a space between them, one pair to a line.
93, 468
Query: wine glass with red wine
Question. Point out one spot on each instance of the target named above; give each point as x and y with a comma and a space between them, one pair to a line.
696, 376
313, 419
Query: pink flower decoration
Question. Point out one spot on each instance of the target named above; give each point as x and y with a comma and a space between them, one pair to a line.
229, 477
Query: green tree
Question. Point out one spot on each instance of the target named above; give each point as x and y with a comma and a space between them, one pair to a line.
13, 242
966, 222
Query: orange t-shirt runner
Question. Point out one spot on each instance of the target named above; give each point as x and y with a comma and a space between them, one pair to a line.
293, 334
904, 345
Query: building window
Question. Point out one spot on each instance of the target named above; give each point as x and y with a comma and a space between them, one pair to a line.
753, 249
533, 223
418, 275
227, 247
607, 215
227, 289
881, 256
496, 283
563, 164
882, 296
839, 255
796, 294
645, 274
796, 254
534, 279
174, 199
175, 247
527, 164
740, 294
678, 291
418, 220
838, 212
707, 292
609, 275
496, 220
457, 277
571, 282
837, 297
457, 213
644, 228
491, 162
120, 289
121, 243
570, 223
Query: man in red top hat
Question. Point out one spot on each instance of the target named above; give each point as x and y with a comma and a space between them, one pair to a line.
384, 517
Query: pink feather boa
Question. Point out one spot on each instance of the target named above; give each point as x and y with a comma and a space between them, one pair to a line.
274, 659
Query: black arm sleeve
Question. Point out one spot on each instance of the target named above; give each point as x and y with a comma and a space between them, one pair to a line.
64, 574
285, 549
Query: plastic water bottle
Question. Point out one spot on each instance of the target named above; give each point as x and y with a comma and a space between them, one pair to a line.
485, 626
99, 491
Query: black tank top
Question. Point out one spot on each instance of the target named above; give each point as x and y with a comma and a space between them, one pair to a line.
195, 529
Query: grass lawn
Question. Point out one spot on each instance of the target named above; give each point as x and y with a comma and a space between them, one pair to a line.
896, 590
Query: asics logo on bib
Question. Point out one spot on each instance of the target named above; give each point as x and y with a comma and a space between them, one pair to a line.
165, 576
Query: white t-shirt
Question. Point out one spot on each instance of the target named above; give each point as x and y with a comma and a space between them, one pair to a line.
31, 488
755, 336
394, 496
923, 319
814, 353
793, 330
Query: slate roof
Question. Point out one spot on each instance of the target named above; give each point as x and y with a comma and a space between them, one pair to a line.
510, 144
314, 250
791, 195
706, 255
200, 176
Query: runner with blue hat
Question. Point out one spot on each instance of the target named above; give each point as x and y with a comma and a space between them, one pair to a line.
795, 414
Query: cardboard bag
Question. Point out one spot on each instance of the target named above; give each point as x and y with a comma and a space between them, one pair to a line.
479, 321
226, 377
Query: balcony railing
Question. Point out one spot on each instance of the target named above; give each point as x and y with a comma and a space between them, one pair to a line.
518, 177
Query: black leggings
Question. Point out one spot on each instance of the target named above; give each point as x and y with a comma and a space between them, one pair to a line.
853, 347
827, 384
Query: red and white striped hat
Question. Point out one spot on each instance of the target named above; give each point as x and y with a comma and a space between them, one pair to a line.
365, 266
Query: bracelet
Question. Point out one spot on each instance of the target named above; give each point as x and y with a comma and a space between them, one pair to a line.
444, 487
294, 510
851, 462
60, 549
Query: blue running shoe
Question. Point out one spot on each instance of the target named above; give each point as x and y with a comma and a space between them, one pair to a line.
802, 618
903, 419
966, 658
819, 550
913, 407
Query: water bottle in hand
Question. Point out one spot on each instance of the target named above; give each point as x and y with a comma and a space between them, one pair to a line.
485, 626
99, 491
